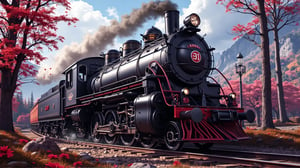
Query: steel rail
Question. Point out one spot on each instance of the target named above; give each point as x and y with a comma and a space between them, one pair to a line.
220, 158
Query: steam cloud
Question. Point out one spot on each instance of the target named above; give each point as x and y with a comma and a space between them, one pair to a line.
93, 44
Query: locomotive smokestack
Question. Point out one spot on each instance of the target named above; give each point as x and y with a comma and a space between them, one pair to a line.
97, 42
171, 21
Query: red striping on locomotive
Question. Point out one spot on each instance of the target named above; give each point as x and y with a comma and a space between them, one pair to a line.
102, 94
117, 90
109, 92
81, 105
207, 132
86, 98
124, 88
135, 85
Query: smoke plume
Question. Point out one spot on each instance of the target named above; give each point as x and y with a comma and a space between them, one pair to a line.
93, 44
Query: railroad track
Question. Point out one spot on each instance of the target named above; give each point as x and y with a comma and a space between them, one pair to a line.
280, 157
259, 159
193, 156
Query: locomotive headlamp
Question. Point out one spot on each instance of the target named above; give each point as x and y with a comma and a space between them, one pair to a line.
193, 20
185, 91
232, 95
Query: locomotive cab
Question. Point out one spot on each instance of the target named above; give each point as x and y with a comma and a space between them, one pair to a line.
77, 76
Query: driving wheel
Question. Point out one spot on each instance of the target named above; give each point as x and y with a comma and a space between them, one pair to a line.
148, 141
128, 139
173, 136
110, 119
97, 120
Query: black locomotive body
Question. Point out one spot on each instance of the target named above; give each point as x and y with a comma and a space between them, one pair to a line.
145, 94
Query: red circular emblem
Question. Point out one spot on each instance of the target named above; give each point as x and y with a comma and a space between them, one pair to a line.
195, 56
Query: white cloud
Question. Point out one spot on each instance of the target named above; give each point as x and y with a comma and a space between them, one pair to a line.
196, 6
206, 26
89, 21
113, 12
89, 18
215, 22
160, 24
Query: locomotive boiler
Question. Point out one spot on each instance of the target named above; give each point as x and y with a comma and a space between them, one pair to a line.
158, 92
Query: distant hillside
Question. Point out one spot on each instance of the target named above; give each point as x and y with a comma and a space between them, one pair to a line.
289, 51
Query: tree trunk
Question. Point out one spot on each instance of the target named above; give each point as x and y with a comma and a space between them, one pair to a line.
6, 118
267, 121
258, 114
280, 94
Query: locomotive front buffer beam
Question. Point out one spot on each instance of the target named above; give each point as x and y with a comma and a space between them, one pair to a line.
232, 115
197, 114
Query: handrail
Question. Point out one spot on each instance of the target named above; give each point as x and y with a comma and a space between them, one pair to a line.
160, 85
224, 78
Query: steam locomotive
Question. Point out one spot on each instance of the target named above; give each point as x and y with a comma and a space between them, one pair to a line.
161, 92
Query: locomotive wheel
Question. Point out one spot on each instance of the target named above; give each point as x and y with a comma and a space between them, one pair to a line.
172, 136
97, 120
110, 117
128, 139
204, 146
148, 142
80, 133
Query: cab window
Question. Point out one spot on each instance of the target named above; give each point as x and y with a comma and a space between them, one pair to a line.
69, 79
82, 73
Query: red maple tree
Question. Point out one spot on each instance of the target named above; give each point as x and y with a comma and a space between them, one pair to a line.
280, 13
26, 26
252, 97
258, 10
23, 119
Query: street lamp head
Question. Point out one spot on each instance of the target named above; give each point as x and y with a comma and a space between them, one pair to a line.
239, 59
239, 56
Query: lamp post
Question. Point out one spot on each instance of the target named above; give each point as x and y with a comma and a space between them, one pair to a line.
240, 69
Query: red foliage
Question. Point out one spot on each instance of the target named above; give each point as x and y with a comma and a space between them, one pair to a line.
54, 165
288, 9
176, 163
22, 141
4, 150
23, 119
52, 156
27, 27
292, 98
77, 164
64, 155
252, 95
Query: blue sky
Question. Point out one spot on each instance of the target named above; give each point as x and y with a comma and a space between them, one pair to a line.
216, 24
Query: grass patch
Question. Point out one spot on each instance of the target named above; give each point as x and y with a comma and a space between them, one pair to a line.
14, 142
11, 145
273, 138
